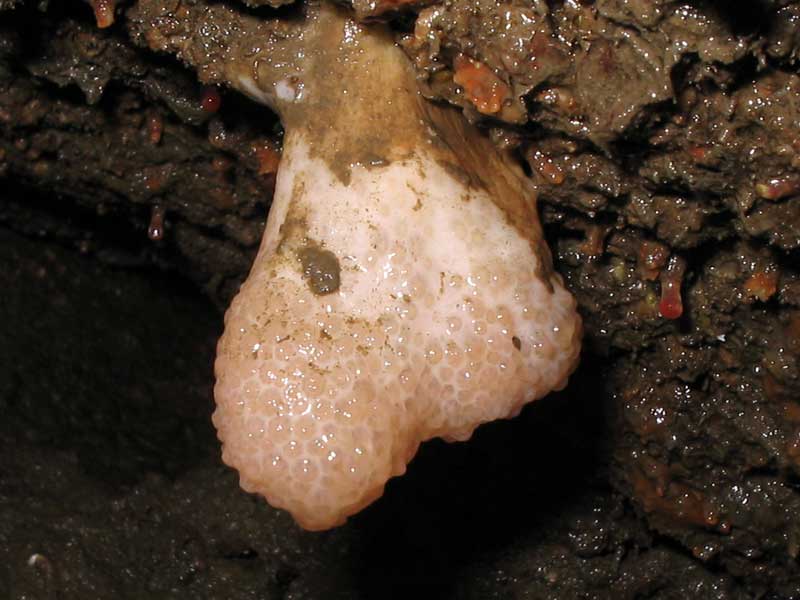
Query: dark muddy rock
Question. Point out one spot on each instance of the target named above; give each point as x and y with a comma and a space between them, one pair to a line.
87, 116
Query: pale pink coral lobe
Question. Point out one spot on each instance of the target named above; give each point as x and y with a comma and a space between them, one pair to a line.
392, 300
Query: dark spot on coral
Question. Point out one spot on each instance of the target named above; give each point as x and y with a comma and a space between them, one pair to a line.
321, 269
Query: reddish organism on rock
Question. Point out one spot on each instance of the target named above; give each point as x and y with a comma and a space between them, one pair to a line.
671, 304
155, 128
762, 285
103, 12
559, 99
402, 290
155, 230
698, 153
211, 100
267, 157
483, 88
155, 177
545, 166
662, 497
652, 258
594, 244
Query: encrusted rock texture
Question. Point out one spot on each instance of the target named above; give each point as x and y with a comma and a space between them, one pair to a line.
664, 139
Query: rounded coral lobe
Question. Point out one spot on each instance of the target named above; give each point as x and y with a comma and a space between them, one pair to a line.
402, 290
441, 321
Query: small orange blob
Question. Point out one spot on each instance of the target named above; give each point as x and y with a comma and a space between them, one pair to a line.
546, 167
671, 305
483, 88
652, 258
155, 178
267, 158
103, 12
594, 244
676, 501
762, 286
210, 101
560, 99
698, 153
155, 128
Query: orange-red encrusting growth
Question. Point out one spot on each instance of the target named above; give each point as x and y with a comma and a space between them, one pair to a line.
545, 166
594, 243
155, 177
103, 12
762, 285
267, 158
560, 99
698, 153
659, 495
155, 128
484, 89
210, 101
652, 258
671, 305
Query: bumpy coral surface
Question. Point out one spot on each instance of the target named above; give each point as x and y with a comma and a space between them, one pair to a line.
441, 322
400, 292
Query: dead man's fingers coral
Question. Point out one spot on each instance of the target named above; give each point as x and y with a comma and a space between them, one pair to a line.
402, 290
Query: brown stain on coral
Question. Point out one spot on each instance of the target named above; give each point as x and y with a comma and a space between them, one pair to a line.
494, 171
321, 269
352, 66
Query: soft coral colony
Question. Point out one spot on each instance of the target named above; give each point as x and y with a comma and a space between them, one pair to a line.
402, 290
